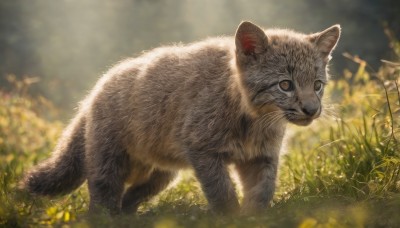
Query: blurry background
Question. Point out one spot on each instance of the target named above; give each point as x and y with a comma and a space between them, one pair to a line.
68, 44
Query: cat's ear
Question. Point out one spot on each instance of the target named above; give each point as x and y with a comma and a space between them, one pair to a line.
250, 39
326, 40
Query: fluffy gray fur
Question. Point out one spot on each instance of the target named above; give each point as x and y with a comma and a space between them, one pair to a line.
205, 105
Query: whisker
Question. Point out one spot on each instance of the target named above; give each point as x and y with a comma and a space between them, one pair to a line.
272, 118
276, 120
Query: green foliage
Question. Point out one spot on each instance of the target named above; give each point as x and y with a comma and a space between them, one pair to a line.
343, 171
25, 138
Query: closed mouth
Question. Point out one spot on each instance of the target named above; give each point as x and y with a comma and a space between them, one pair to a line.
300, 120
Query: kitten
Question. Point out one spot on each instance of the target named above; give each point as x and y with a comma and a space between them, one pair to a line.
205, 105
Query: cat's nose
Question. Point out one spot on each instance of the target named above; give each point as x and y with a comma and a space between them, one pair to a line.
310, 109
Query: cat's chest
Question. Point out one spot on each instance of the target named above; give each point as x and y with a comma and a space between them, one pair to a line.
256, 141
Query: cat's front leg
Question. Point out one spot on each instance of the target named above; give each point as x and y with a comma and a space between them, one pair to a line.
258, 177
212, 173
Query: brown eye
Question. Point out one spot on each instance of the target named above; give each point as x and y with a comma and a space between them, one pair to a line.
286, 85
318, 86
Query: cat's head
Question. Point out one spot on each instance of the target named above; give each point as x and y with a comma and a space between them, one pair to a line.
283, 71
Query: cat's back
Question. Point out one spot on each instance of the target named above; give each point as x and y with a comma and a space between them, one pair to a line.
185, 62
162, 71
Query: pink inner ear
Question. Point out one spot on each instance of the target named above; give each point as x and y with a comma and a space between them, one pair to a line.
248, 44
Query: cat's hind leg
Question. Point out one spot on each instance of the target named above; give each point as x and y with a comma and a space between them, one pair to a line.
139, 193
108, 167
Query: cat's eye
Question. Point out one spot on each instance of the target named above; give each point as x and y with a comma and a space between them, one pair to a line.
318, 86
286, 85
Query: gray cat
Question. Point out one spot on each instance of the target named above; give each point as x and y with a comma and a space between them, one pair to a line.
205, 105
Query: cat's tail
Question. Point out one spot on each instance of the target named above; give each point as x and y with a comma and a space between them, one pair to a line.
64, 171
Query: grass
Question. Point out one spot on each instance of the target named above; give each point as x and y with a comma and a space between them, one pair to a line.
344, 171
